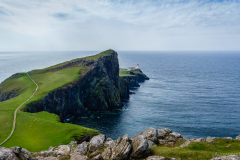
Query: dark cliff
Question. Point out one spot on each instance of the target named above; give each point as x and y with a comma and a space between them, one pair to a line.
99, 89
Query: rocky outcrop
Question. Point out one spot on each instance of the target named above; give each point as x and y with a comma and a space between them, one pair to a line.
238, 138
8, 95
101, 148
136, 76
7, 154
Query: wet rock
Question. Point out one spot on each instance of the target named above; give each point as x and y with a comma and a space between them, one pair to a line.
81, 149
185, 144
161, 133
159, 158
74, 156
96, 142
21, 152
231, 157
7, 154
140, 147
62, 150
118, 149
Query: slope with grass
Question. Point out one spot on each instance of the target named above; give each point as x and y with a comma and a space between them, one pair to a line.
70, 89
200, 150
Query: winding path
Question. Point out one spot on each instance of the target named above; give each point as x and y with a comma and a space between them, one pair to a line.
15, 114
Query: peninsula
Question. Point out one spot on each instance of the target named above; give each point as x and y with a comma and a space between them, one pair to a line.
65, 91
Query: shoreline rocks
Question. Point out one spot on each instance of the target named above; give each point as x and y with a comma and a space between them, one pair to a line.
100, 147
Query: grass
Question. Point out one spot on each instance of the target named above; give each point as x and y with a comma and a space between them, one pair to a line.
124, 72
38, 131
200, 150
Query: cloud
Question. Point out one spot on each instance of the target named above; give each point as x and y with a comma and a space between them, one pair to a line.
142, 24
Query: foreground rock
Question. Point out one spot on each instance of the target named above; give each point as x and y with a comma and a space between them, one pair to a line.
101, 148
7, 154
159, 158
118, 149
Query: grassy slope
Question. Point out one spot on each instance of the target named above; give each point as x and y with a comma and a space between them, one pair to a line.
200, 150
30, 134
124, 72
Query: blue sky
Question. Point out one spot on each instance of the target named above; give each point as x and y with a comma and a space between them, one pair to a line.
68, 25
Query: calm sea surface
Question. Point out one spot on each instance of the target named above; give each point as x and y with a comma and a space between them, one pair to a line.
194, 93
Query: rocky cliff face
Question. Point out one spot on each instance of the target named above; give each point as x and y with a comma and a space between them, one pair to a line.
99, 89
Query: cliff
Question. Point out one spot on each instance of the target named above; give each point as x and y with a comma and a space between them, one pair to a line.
94, 85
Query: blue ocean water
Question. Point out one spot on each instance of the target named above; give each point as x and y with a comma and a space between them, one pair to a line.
194, 93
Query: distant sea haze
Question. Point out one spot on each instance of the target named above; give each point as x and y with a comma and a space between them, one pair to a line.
193, 93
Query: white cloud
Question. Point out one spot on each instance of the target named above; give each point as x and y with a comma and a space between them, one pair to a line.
120, 24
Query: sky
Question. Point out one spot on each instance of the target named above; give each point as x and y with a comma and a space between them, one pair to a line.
153, 25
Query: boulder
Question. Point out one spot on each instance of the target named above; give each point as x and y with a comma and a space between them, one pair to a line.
74, 156
173, 137
81, 149
62, 150
118, 149
238, 138
210, 139
161, 133
228, 138
108, 142
96, 142
159, 158
21, 153
231, 157
7, 154
150, 134
140, 147
185, 144
151, 143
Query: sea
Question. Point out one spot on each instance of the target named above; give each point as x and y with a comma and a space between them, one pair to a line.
194, 93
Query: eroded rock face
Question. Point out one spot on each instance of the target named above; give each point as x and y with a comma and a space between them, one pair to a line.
118, 149
96, 142
159, 158
21, 153
7, 154
231, 157
140, 147
81, 149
